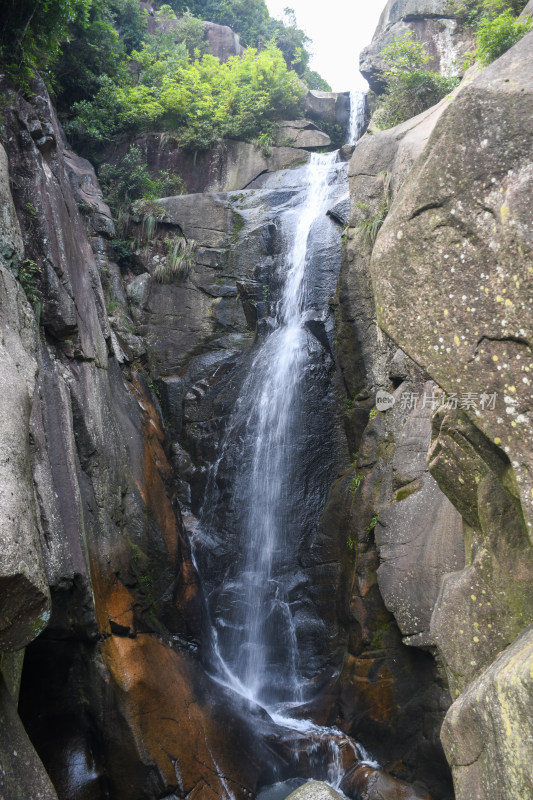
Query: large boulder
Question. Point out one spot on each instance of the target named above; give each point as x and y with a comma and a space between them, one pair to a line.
431, 22
391, 695
332, 108
420, 533
463, 212
484, 607
367, 783
314, 790
300, 133
452, 276
223, 41
487, 732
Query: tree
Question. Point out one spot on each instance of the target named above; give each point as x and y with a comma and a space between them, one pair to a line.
292, 41
200, 101
32, 31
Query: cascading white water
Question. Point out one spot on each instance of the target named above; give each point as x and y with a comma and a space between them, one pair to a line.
254, 636
357, 116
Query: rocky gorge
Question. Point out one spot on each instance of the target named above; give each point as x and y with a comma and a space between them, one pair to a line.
403, 593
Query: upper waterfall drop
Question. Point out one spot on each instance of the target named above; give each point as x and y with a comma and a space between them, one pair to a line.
356, 125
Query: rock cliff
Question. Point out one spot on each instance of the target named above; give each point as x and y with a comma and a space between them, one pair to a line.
448, 281
432, 22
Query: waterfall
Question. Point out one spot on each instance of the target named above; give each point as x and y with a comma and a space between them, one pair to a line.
257, 539
254, 636
357, 116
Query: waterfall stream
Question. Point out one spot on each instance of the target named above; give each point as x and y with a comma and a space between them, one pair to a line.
264, 634
357, 116
255, 637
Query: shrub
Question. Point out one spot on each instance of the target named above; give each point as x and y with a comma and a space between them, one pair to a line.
494, 24
495, 36
470, 12
410, 87
30, 279
31, 32
200, 101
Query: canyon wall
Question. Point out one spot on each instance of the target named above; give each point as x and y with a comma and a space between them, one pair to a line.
437, 313
115, 393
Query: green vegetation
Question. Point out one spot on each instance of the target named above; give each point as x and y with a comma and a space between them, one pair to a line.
100, 62
495, 36
355, 483
250, 18
200, 100
372, 524
410, 87
371, 226
131, 182
494, 23
31, 32
471, 12
30, 278
352, 544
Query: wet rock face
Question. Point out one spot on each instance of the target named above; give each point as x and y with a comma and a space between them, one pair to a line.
431, 22
207, 407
